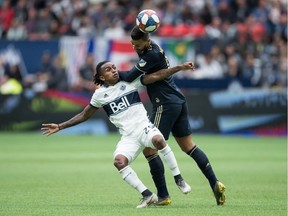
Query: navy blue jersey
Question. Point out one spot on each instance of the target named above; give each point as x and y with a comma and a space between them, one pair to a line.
160, 92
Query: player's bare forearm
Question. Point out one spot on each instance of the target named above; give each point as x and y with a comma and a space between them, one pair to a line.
164, 73
51, 128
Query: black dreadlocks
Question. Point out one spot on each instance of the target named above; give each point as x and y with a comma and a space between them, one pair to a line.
97, 75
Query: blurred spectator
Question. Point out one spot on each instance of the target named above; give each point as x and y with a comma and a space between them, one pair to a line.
130, 19
10, 86
17, 31
38, 80
42, 25
217, 55
256, 30
10, 79
213, 30
86, 74
242, 10
58, 79
230, 50
170, 14
249, 70
114, 31
207, 67
86, 28
54, 29
21, 12
31, 23
282, 26
225, 12
51, 77
13, 71
233, 68
273, 58
6, 16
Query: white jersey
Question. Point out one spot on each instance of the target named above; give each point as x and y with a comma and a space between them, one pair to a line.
122, 104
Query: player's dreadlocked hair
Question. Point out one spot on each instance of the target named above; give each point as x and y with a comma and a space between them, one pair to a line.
137, 34
96, 78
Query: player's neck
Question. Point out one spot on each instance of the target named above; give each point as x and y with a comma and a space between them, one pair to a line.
112, 83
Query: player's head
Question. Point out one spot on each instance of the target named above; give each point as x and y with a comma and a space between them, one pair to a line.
140, 40
106, 72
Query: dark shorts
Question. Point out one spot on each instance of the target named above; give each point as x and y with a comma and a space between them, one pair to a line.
171, 118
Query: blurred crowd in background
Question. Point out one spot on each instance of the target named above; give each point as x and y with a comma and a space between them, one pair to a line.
250, 35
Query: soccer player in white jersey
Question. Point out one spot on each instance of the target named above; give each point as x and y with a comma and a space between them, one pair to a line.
122, 104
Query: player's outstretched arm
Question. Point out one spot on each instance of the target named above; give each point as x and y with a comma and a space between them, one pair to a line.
130, 76
164, 73
51, 128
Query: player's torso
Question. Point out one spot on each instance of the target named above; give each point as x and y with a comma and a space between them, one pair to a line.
164, 91
122, 104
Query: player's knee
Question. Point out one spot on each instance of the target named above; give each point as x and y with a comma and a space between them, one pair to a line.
149, 152
120, 162
158, 142
185, 143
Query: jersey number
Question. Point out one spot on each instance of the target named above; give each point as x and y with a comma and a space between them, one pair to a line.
166, 58
148, 128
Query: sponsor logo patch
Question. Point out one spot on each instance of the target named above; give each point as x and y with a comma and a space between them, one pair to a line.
122, 87
142, 63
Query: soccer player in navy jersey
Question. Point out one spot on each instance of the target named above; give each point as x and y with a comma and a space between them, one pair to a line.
122, 104
169, 114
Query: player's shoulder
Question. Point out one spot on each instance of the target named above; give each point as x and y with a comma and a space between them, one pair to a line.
100, 91
155, 46
152, 53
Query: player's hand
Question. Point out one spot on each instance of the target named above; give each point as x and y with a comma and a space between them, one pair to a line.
97, 86
188, 66
48, 129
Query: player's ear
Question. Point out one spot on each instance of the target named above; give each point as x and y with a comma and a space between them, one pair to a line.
148, 43
102, 78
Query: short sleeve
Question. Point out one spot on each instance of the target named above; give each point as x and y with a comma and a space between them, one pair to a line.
94, 101
147, 62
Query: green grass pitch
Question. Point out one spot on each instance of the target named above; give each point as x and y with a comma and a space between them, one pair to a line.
74, 175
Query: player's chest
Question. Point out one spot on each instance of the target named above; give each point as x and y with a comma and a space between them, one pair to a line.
117, 92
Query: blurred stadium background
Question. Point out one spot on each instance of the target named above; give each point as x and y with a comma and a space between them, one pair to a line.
48, 51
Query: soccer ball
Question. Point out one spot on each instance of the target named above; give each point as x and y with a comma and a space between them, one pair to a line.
148, 21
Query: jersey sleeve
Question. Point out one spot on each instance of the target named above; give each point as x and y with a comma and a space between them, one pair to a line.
147, 62
131, 75
94, 102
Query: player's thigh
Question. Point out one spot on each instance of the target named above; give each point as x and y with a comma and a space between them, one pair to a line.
147, 135
128, 146
181, 126
164, 117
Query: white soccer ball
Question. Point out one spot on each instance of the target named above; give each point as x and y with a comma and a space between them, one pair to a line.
148, 21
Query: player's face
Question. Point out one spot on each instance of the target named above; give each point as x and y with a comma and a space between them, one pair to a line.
140, 45
109, 73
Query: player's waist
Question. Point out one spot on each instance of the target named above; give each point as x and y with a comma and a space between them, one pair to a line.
158, 100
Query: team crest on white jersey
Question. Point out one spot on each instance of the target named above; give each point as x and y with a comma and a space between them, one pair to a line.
106, 95
122, 87
142, 63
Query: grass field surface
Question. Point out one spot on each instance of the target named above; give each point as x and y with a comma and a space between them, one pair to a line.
74, 175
